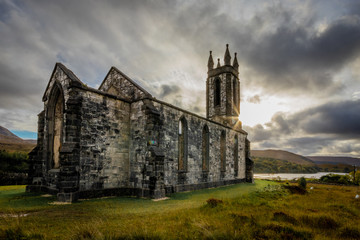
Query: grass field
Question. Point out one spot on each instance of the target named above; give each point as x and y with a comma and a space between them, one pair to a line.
264, 210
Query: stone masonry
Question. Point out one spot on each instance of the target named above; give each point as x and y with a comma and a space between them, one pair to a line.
120, 140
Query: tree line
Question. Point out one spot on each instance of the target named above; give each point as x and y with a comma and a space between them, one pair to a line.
13, 167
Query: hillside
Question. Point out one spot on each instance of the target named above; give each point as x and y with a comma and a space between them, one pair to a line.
282, 155
10, 142
335, 160
278, 161
8, 137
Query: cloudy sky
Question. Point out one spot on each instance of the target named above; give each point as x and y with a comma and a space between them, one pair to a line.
299, 61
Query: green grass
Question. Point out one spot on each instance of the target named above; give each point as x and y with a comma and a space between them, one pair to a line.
263, 210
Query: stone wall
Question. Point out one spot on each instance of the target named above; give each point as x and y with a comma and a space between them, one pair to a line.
138, 146
104, 143
94, 152
44, 174
167, 142
146, 158
36, 163
60, 81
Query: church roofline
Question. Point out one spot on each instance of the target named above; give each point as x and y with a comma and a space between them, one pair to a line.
195, 115
68, 73
127, 78
161, 102
86, 88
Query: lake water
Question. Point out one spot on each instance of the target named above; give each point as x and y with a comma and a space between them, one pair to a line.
290, 176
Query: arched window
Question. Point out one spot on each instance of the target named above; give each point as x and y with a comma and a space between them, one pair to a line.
217, 92
182, 138
236, 155
55, 125
223, 151
205, 148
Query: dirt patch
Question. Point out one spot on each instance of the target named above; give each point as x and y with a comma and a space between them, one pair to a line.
60, 203
160, 199
47, 195
213, 202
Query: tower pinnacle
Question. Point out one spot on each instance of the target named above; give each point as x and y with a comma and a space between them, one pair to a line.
210, 62
235, 63
227, 57
218, 65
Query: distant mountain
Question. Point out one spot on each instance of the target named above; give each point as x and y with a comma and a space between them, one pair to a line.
11, 142
8, 137
6, 132
335, 160
282, 155
279, 161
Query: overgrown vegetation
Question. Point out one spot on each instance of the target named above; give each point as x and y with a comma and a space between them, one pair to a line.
13, 167
302, 182
13, 162
264, 210
270, 165
344, 168
355, 177
347, 179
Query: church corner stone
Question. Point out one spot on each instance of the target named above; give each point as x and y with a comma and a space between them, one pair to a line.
120, 140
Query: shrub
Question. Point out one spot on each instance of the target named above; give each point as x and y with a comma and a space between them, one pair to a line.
348, 232
340, 179
302, 183
274, 231
356, 179
322, 222
283, 217
18, 233
295, 189
240, 220
325, 222
213, 202
14, 233
345, 179
330, 178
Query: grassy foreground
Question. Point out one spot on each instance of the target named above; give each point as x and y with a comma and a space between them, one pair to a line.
263, 210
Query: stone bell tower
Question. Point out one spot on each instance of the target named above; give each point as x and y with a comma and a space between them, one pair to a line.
223, 90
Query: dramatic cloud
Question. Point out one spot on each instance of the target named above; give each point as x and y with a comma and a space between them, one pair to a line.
303, 53
254, 99
168, 90
301, 56
332, 126
341, 118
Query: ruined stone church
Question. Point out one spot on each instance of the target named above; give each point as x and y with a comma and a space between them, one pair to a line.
120, 140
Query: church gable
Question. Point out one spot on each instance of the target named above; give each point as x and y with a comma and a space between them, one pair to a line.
117, 83
61, 76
